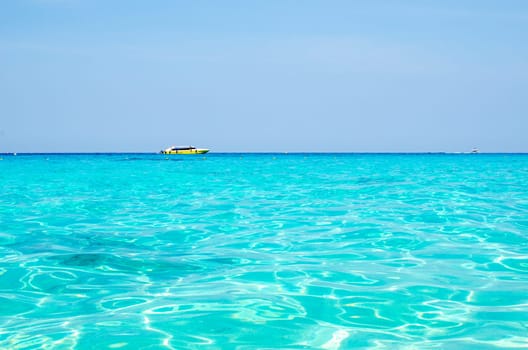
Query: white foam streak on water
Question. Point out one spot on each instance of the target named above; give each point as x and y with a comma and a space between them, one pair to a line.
337, 339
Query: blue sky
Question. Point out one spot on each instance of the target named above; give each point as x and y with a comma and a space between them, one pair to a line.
94, 76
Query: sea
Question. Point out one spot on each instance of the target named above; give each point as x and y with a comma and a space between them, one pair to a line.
264, 251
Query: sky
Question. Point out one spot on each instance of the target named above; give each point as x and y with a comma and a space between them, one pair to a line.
264, 75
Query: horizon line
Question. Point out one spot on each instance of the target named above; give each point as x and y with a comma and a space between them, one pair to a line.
255, 152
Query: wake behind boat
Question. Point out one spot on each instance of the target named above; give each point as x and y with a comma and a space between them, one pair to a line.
184, 150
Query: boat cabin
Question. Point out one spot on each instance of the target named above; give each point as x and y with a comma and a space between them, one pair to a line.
180, 148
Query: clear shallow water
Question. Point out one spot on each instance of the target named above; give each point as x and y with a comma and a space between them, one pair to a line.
264, 251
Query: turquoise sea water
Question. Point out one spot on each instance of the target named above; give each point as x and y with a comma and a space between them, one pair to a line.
264, 251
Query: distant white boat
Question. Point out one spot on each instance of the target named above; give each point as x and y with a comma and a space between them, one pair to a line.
475, 150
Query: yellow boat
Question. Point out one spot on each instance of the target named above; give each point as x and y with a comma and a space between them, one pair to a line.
184, 150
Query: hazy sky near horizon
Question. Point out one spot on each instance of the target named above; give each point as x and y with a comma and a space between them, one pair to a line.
274, 75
